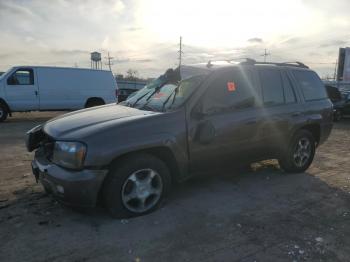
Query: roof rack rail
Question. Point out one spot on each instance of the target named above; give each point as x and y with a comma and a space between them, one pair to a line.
250, 61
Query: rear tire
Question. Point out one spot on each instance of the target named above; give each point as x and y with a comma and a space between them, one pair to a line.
299, 154
136, 186
3, 113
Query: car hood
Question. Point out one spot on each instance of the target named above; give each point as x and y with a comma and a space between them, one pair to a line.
76, 125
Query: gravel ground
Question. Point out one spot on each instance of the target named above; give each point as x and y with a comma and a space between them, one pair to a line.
258, 215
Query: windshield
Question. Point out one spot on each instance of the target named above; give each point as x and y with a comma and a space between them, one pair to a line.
161, 95
2, 74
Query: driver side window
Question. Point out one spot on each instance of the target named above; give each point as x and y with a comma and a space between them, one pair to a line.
21, 77
230, 90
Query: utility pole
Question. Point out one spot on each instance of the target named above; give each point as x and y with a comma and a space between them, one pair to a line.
180, 52
109, 63
265, 55
335, 70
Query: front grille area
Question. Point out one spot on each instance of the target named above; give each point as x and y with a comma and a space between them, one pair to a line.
46, 147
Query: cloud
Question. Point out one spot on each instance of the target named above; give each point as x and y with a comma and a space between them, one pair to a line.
255, 40
334, 43
147, 60
119, 7
143, 35
70, 52
337, 8
132, 29
106, 42
13, 9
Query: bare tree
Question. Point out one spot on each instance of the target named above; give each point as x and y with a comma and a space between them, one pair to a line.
132, 74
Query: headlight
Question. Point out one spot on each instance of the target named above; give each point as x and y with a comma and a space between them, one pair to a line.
69, 154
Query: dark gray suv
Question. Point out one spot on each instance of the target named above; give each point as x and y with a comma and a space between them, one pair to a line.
187, 121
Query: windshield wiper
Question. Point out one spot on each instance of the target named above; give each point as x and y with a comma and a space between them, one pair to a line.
149, 97
176, 89
137, 100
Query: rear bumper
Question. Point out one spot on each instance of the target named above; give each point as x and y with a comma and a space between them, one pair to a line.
74, 188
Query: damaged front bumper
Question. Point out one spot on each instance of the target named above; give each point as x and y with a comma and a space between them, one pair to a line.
74, 188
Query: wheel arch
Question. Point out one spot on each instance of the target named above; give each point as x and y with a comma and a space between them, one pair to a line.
94, 99
314, 129
162, 152
2, 101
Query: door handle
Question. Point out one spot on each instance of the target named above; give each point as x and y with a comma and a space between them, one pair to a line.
36, 92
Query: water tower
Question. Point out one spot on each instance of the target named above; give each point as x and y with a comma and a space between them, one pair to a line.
96, 60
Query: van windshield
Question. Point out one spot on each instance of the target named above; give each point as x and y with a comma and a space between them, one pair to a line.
162, 95
2, 74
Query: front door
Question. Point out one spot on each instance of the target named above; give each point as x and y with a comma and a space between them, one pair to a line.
22, 90
226, 130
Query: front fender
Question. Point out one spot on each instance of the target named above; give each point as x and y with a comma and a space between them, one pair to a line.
103, 156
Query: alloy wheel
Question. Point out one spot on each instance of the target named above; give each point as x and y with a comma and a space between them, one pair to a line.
302, 152
142, 190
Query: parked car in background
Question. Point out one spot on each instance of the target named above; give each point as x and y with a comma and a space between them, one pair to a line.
127, 87
346, 104
340, 99
338, 102
42, 88
186, 122
124, 93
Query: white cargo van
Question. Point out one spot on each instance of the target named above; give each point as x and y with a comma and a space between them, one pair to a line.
41, 88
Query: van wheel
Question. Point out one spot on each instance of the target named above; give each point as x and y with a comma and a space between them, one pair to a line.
3, 113
300, 153
94, 102
136, 186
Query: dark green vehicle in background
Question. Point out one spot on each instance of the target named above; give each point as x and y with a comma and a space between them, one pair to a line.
189, 120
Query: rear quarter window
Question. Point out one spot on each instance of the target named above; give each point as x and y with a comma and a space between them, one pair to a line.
311, 85
272, 88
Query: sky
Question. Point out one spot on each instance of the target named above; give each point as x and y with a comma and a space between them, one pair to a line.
143, 35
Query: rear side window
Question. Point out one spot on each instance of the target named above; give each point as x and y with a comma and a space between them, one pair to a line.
230, 90
289, 94
311, 85
272, 88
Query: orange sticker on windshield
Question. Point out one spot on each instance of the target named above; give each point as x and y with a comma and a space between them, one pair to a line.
231, 86
159, 95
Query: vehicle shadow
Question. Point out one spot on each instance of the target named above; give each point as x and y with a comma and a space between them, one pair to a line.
259, 211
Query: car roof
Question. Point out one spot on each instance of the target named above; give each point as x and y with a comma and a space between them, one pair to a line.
223, 65
59, 67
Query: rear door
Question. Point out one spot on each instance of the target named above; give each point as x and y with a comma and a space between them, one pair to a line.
22, 90
227, 128
280, 108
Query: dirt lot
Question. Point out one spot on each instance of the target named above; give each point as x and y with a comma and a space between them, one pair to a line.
262, 215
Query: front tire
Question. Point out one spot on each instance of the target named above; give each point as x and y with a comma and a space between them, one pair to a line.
136, 186
299, 154
3, 113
